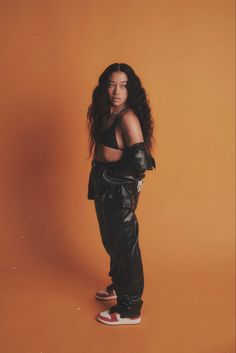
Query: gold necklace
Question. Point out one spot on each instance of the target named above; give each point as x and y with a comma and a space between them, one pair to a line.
117, 112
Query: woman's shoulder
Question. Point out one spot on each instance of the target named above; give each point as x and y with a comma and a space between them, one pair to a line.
131, 128
129, 118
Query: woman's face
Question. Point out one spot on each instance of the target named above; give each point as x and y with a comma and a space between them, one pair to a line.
117, 88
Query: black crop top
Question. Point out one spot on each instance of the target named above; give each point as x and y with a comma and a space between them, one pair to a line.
108, 137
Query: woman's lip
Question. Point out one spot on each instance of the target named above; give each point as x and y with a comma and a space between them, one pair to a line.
115, 98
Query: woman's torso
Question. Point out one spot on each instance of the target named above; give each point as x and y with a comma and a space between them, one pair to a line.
111, 144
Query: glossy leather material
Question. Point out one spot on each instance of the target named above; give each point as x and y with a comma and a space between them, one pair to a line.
132, 166
136, 160
115, 206
115, 188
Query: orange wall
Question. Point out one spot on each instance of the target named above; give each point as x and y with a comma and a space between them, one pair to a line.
52, 53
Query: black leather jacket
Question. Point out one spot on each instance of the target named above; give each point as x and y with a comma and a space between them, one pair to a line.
135, 161
131, 167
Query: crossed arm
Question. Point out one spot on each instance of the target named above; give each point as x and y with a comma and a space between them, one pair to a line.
136, 159
131, 129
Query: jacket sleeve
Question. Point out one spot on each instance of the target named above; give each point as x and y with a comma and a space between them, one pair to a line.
135, 161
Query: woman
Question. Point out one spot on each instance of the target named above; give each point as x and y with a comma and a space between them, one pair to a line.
120, 137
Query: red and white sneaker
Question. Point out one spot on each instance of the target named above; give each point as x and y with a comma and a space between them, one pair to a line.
114, 319
106, 294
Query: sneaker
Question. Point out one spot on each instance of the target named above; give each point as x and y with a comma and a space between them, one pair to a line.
106, 294
114, 319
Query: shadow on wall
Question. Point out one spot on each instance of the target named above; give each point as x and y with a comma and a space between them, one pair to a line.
37, 155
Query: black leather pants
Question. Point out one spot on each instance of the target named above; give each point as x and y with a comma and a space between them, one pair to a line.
115, 203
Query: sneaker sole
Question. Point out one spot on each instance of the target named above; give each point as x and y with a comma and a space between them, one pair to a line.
122, 321
106, 298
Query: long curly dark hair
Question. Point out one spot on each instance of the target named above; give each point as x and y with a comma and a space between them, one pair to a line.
137, 101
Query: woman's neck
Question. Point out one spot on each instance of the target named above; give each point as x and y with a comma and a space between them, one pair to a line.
116, 111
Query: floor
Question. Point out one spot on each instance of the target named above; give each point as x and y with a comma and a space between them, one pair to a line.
49, 307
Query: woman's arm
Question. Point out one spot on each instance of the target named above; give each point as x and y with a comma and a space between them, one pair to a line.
131, 129
136, 159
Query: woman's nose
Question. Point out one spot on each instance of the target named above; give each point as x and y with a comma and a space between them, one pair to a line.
116, 90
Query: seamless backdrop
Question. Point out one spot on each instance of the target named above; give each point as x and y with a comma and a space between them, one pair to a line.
51, 256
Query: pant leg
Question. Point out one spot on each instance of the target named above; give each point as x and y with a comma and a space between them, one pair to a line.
106, 237
119, 230
130, 284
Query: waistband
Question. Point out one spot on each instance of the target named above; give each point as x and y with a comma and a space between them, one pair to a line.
98, 164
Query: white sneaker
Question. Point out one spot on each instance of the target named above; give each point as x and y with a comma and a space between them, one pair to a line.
114, 319
106, 294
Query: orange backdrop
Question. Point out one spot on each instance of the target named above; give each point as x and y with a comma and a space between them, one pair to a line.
51, 255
